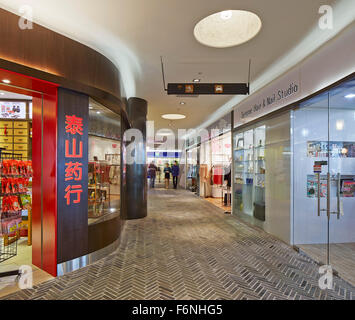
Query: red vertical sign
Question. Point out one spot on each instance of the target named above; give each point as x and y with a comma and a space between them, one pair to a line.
73, 170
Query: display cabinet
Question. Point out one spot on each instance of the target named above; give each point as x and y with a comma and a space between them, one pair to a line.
249, 172
99, 188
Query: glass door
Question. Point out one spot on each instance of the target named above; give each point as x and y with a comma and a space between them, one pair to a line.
310, 173
324, 161
341, 173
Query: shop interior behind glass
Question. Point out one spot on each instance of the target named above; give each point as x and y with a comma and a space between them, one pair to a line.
215, 171
104, 163
324, 209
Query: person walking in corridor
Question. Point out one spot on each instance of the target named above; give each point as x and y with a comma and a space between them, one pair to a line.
167, 171
152, 171
175, 170
159, 174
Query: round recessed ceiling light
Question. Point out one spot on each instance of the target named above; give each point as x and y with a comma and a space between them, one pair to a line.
182, 103
173, 116
196, 80
227, 28
6, 81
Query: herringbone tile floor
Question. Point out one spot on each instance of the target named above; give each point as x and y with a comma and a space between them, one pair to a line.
188, 249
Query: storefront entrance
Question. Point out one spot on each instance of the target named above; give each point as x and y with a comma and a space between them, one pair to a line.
324, 178
28, 211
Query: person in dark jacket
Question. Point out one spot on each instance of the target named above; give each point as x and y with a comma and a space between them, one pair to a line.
167, 171
152, 171
175, 170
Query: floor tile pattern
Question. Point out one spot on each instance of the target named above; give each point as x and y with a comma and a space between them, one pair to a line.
189, 249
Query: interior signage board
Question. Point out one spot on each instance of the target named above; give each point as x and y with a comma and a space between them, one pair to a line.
72, 174
208, 88
12, 110
273, 97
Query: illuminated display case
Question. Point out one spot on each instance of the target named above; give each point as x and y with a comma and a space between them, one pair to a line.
249, 172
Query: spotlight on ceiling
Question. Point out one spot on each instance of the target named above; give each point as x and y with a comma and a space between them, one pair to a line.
6, 81
225, 15
196, 80
350, 96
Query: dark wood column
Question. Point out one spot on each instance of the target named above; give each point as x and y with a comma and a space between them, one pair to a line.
134, 193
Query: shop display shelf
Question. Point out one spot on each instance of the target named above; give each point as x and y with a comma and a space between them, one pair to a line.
16, 176
14, 212
14, 194
244, 172
245, 149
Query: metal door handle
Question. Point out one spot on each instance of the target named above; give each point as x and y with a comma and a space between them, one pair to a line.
328, 195
318, 194
338, 196
339, 206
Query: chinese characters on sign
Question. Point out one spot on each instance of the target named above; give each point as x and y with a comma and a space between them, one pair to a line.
73, 150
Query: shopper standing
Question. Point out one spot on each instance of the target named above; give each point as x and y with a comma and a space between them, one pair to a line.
175, 172
167, 171
152, 171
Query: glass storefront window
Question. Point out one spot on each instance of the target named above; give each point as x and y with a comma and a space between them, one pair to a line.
324, 178
192, 169
215, 166
244, 172
262, 175
104, 163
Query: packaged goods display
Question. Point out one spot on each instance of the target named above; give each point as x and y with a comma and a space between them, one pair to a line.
15, 202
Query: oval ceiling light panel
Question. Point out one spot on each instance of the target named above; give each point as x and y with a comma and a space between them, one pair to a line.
227, 28
173, 116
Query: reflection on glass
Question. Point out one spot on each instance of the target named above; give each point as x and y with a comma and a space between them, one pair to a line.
324, 133
262, 175
104, 163
192, 170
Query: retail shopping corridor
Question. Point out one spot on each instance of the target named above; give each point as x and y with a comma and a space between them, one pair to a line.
189, 249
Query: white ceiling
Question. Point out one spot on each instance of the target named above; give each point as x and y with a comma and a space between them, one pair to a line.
11, 95
335, 98
135, 33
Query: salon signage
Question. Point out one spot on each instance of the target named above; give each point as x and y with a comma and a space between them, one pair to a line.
283, 91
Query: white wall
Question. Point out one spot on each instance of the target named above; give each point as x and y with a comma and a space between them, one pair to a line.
277, 178
100, 146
